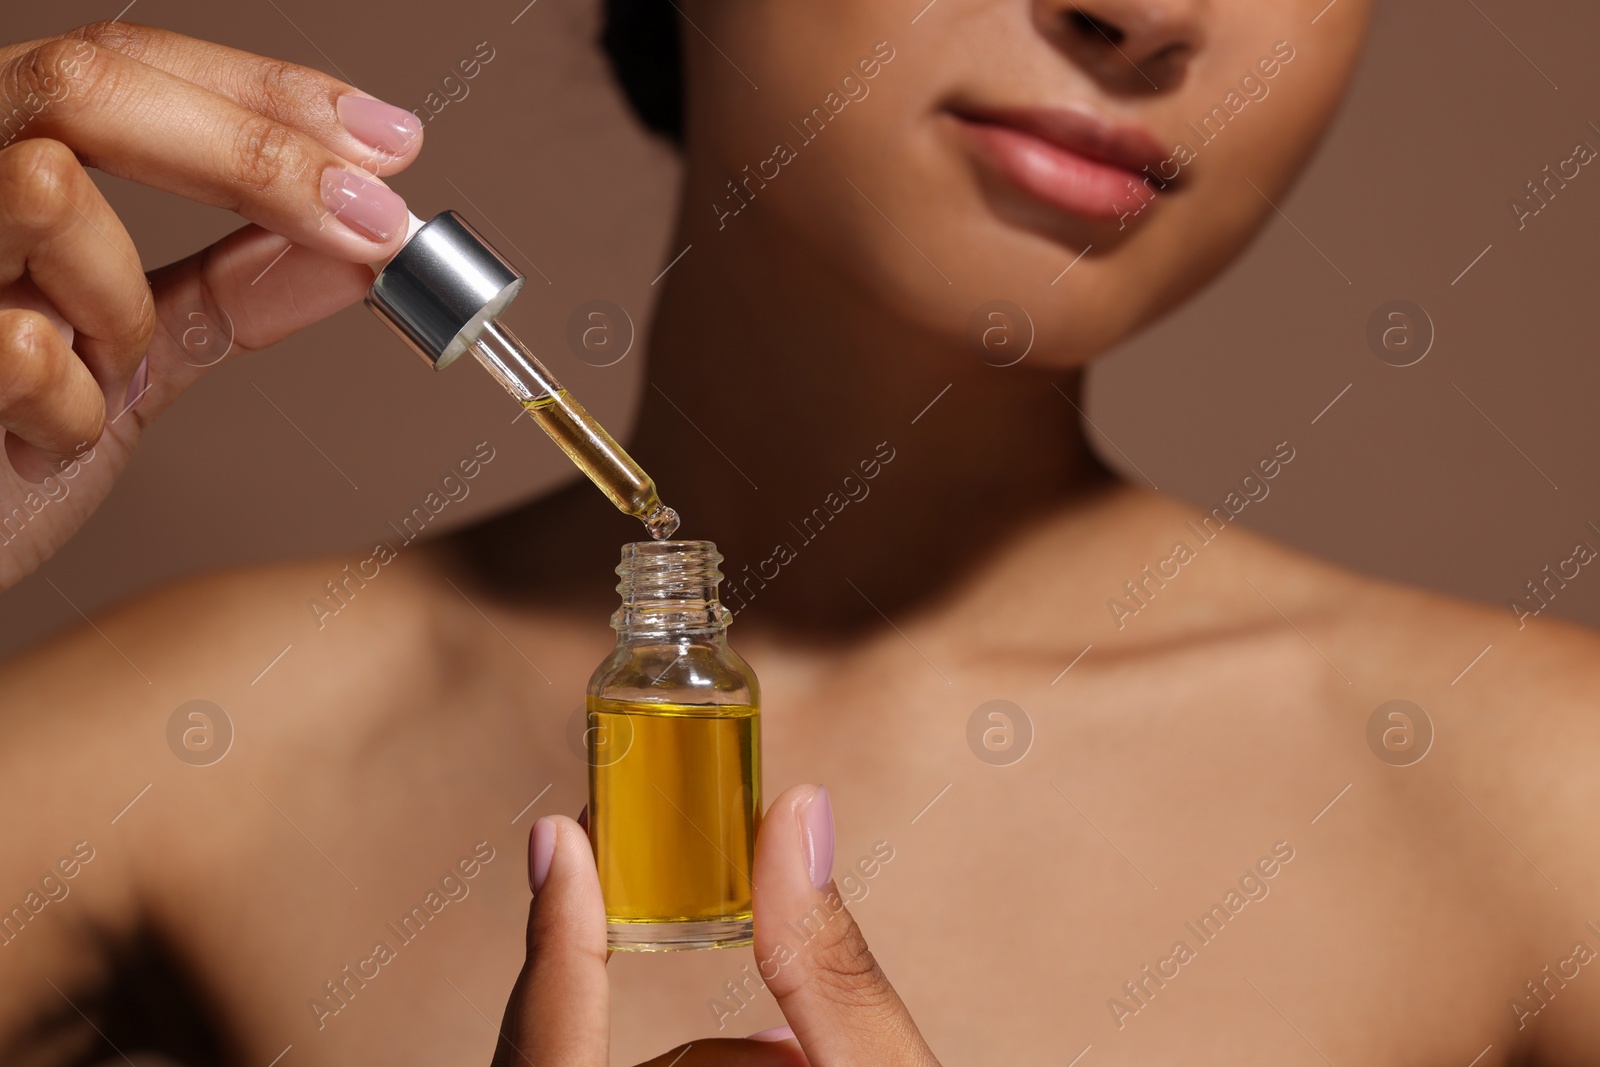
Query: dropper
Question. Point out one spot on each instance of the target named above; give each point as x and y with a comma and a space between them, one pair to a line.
443, 293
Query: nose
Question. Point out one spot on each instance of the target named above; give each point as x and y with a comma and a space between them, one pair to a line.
1134, 46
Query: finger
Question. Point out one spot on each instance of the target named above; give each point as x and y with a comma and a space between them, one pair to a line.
831, 989
138, 122
723, 1052
560, 1010
583, 824
57, 228
248, 291
22, 293
50, 405
380, 137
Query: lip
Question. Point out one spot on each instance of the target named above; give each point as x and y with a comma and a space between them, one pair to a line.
1068, 158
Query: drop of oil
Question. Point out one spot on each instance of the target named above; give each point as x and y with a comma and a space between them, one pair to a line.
662, 522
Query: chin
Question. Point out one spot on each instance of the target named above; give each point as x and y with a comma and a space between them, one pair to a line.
1013, 286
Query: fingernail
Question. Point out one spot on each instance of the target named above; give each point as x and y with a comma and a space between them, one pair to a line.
136, 387
541, 847
816, 827
583, 818
383, 126
777, 1033
372, 210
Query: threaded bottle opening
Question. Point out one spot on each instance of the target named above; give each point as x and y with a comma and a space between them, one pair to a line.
669, 586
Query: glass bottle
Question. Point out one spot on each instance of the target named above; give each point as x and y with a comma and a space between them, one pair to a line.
674, 743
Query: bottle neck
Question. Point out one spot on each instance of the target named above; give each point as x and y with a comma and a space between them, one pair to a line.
669, 590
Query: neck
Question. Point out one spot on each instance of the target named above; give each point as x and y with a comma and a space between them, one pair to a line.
794, 421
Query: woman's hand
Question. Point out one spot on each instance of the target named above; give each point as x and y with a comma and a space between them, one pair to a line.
92, 348
839, 1004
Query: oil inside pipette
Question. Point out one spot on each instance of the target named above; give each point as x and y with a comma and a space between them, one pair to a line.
594, 451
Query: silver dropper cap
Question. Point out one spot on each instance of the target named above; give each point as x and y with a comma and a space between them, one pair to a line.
442, 288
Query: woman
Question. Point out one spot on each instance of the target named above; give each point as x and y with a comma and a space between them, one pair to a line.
1195, 856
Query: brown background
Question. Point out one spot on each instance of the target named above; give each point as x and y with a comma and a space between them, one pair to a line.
1403, 476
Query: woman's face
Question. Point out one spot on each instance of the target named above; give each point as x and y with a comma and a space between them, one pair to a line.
944, 157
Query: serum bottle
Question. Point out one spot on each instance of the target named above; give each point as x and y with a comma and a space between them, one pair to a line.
674, 745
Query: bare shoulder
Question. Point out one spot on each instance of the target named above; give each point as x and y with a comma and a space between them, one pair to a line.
113, 727
1510, 697
305, 671
1443, 754
265, 738
1506, 708
229, 637
365, 635
1165, 572
1483, 725
132, 703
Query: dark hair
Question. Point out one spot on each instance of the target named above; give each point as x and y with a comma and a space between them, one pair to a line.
641, 43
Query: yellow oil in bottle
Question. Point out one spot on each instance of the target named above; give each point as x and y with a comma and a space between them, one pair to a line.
675, 804
605, 462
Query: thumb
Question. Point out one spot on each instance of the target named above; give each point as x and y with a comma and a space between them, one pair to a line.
832, 991
560, 1010
249, 290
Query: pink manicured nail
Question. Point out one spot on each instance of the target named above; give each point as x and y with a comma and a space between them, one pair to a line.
777, 1033
370, 209
816, 827
136, 387
383, 126
541, 848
